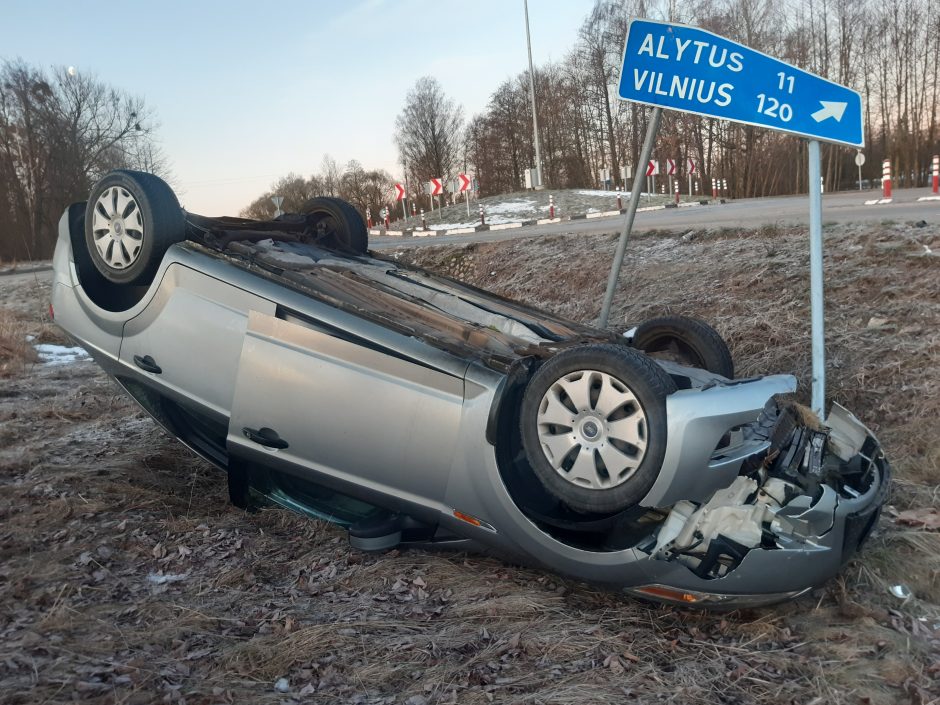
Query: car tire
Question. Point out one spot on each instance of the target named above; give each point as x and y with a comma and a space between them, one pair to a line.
688, 341
593, 426
336, 224
131, 219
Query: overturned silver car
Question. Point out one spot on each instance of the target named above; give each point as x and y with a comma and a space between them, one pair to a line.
416, 410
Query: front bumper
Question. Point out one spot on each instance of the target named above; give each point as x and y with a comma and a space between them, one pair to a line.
813, 535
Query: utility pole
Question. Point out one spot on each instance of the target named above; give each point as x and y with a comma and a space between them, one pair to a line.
535, 120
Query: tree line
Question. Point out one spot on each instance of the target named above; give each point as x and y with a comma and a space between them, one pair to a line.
368, 190
59, 132
889, 52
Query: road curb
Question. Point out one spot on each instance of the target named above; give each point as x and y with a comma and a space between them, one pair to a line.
524, 223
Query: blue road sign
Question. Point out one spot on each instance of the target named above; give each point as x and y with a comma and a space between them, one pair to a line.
684, 68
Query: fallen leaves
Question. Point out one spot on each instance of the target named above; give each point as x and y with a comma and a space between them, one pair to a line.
925, 517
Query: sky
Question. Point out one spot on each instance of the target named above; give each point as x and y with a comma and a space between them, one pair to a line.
245, 93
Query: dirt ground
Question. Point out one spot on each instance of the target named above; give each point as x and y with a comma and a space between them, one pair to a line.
126, 577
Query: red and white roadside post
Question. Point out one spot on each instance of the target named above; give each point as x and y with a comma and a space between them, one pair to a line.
482, 218
400, 196
368, 218
714, 189
388, 210
414, 208
886, 178
619, 201
677, 191
936, 173
424, 223
551, 206
724, 187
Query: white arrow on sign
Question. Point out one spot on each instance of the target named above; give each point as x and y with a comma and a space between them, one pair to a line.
829, 110
691, 166
670, 166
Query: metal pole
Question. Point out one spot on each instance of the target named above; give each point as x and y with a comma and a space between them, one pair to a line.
645, 152
816, 280
535, 119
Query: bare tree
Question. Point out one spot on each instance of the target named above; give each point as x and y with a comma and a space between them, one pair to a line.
58, 133
428, 132
330, 175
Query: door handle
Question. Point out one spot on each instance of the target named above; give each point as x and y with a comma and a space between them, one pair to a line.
147, 364
266, 437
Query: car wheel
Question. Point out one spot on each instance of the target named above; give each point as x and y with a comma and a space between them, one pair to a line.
130, 221
593, 424
336, 224
687, 341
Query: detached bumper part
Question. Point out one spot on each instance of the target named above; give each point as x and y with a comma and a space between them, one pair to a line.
661, 593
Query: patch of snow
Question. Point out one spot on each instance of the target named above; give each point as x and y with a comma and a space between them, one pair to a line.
60, 354
161, 579
520, 205
602, 194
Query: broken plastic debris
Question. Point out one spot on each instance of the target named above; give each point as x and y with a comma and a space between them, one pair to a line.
282, 685
847, 434
900, 591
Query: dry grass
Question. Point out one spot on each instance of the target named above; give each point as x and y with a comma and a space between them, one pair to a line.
94, 500
15, 352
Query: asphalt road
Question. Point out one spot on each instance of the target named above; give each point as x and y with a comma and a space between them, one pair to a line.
847, 206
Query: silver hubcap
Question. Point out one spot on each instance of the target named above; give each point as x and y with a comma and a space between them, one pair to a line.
117, 227
593, 429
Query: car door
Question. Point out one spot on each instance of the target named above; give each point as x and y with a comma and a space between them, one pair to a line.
188, 340
334, 407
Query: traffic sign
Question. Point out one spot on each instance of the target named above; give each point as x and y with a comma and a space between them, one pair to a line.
399, 192
437, 187
465, 182
859, 159
684, 68
690, 166
652, 168
670, 166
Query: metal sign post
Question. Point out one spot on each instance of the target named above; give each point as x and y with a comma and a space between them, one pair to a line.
683, 68
645, 152
816, 280
859, 160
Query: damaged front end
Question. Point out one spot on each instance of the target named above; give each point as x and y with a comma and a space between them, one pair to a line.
800, 507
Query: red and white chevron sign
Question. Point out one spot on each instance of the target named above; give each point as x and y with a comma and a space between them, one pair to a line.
437, 187
399, 192
690, 166
670, 166
465, 182
652, 168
